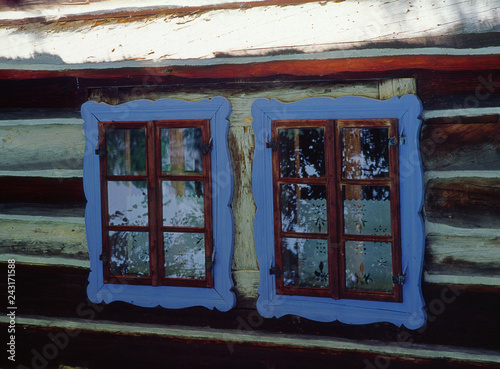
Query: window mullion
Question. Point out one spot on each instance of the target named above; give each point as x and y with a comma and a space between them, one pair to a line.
154, 203
333, 157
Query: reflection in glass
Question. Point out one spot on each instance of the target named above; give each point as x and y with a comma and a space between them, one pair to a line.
367, 210
184, 255
368, 266
183, 203
302, 152
181, 150
127, 203
303, 208
126, 151
129, 254
305, 262
365, 153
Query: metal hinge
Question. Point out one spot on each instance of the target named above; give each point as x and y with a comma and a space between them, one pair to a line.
394, 140
206, 147
104, 258
101, 151
273, 145
398, 279
275, 270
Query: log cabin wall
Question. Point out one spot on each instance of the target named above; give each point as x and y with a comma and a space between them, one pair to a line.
455, 73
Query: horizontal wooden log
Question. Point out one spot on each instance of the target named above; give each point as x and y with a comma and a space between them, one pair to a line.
463, 202
62, 92
474, 84
385, 22
61, 192
43, 237
110, 344
52, 210
37, 147
61, 292
461, 146
349, 68
463, 255
460, 101
33, 113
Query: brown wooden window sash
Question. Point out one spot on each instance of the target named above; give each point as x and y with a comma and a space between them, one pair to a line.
153, 178
336, 186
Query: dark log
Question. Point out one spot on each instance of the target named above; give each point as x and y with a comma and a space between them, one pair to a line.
464, 202
38, 190
63, 92
460, 146
52, 291
473, 84
91, 349
354, 68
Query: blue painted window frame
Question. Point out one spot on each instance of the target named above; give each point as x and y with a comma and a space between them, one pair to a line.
216, 110
410, 312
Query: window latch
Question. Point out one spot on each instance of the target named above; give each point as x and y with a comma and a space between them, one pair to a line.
275, 270
394, 140
210, 261
206, 147
398, 279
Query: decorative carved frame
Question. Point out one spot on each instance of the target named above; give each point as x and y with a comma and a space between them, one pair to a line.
216, 110
410, 312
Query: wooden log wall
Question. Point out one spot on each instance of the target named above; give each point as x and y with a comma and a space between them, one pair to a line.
42, 227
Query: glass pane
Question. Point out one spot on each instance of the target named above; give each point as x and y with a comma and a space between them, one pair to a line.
183, 203
184, 255
305, 262
365, 153
126, 151
181, 150
302, 152
368, 266
303, 208
128, 203
129, 253
367, 210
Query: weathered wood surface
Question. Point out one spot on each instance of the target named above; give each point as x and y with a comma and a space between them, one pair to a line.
107, 344
241, 95
305, 28
39, 147
464, 202
461, 146
98, 349
463, 255
43, 237
451, 310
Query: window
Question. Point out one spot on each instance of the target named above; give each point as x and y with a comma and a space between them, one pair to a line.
157, 178
338, 187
